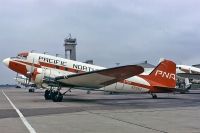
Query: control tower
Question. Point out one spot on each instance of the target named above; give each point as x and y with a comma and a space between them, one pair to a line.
70, 48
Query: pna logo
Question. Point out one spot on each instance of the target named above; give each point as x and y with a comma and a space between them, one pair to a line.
165, 74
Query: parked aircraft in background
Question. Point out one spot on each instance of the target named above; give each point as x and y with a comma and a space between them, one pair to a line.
46, 70
190, 72
24, 81
196, 65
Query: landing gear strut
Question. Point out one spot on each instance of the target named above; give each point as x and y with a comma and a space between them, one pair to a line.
154, 96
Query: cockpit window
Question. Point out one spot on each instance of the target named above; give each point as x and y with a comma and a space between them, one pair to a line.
22, 55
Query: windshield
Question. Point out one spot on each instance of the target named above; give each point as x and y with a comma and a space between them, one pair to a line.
22, 56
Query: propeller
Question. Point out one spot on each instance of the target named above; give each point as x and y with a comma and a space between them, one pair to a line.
16, 78
30, 73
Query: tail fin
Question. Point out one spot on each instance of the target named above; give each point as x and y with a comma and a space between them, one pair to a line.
164, 75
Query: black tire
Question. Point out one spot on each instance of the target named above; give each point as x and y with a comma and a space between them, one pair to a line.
31, 90
57, 96
155, 97
182, 92
53, 95
60, 98
47, 95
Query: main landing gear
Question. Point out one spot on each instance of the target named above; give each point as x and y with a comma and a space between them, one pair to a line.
54, 95
154, 96
47, 94
57, 96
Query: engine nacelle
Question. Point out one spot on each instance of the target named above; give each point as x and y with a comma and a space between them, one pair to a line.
37, 76
43, 77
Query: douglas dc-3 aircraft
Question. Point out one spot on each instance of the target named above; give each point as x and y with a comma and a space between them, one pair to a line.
46, 70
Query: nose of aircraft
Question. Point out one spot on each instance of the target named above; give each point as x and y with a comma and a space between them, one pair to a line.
6, 61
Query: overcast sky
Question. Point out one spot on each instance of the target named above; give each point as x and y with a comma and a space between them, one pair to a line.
108, 31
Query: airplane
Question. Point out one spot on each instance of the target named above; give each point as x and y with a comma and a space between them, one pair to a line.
46, 70
24, 81
190, 72
196, 65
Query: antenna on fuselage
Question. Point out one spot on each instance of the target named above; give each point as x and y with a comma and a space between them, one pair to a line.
117, 64
32, 51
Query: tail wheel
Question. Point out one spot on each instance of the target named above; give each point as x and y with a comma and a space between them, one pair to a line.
154, 96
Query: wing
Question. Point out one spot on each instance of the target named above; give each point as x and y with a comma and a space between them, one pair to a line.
100, 78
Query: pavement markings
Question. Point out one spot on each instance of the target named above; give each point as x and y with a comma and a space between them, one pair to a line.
136, 124
26, 123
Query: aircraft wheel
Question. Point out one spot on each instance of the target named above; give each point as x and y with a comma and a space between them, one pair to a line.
57, 96
47, 94
88, 92
154, 96
31, 90
60, 98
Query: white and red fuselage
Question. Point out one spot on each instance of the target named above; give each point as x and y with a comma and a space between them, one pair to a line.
43, 65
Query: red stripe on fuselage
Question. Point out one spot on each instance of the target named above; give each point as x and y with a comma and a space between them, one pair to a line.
43, 64
30, 64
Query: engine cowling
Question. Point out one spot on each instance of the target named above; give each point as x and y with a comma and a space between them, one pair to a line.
37, 76
43, 77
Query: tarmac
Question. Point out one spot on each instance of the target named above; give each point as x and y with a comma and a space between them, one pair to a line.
99, 113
